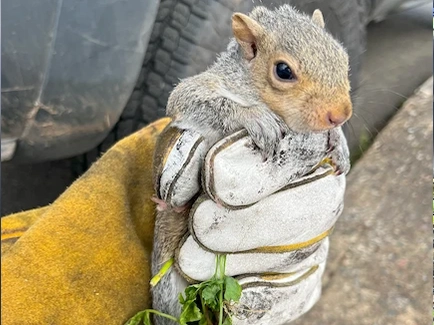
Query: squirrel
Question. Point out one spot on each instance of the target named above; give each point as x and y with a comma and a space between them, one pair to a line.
281, 71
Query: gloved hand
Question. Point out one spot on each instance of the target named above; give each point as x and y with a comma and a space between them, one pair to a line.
85, 258
271, 218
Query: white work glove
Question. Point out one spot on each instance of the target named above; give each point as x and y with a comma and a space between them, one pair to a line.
271, 218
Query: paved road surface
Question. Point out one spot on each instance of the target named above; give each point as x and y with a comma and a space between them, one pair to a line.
398, 59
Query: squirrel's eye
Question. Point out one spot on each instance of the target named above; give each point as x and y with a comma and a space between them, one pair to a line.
283, 71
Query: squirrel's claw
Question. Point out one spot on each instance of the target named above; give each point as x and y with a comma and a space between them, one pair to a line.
161, 204
335, 151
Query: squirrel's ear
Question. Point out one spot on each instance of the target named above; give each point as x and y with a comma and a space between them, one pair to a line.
246, 32
318, 18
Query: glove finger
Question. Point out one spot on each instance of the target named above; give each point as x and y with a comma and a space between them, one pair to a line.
197, 264
177, 163
268, 301
236, 175
310, 214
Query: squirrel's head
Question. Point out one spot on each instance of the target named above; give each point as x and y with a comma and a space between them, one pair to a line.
298, 68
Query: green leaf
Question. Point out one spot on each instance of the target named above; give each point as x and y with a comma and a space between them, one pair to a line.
210, 295
232, 289
190, 313
181, 299
228, 321
191, 292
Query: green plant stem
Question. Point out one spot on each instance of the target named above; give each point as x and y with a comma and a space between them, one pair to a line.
217, 266
166, 266
205, 311
162, 315
221, 305
221, 261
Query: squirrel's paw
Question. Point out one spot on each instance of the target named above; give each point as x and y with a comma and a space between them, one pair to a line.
266, 135
340, 165
338, 153
163, 206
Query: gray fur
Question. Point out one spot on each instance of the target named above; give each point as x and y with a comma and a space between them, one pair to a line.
169, 229
165, 296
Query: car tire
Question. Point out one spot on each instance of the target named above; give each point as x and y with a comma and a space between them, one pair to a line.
186, 36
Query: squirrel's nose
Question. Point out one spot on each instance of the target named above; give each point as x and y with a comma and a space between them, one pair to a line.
335, 118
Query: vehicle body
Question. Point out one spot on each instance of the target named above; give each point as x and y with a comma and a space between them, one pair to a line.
382, 8
68, 69
75, 71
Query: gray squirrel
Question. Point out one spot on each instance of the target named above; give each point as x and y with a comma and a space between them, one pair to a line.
282, 72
